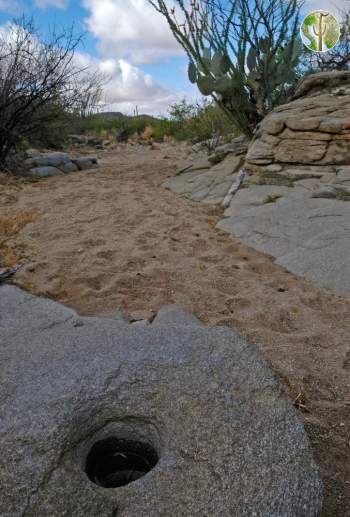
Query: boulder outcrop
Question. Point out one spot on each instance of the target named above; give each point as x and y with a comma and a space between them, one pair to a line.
311, 133
102, 418
55, 163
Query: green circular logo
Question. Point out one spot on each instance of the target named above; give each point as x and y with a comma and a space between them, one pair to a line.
320, 31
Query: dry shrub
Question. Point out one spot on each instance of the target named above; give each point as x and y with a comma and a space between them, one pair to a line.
10, 225
168, 139
133, 138
103, 135
147, 133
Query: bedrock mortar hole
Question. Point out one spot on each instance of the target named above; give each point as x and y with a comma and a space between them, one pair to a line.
115, 462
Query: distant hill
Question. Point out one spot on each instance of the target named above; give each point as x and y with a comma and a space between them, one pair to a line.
109, 114
118, 114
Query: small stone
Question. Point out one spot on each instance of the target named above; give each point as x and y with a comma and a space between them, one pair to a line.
141, 323
32, 153
85, 162
68, 167
52, 159
43, 172
140, 315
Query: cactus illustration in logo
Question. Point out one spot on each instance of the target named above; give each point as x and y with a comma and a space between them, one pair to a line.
320, 31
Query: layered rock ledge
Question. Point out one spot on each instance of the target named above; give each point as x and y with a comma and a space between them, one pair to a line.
310, 134
217, 433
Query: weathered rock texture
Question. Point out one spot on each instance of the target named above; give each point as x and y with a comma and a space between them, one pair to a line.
202, 181
308, 236
56, 163
229, 443
208, 178
310, 133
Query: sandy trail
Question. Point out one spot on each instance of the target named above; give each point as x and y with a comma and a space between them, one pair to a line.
114, 238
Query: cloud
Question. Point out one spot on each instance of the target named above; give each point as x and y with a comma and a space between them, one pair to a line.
10, 6
126, 87
337, 7
131, 33
43, 4
131, 29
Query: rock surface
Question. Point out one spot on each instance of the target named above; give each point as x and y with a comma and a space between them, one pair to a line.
228, 441
52, 159
205, 182
237, 147
85, 162
308, 236
311, 130
51, 164
45, 171
295, 203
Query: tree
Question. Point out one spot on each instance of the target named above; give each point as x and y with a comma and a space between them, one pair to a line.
243, 53
40, 82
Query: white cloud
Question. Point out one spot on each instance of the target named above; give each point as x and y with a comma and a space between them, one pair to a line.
337, 7
127, 87
10, 6
130, 33
131, 29
60, 4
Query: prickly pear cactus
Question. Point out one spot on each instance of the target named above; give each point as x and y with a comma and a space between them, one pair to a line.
248, 86
263, 70
210, 72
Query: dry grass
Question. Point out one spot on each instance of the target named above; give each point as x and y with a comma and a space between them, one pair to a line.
272, 198
10, 225
147, 133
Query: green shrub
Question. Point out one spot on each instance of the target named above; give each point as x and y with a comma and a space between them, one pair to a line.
185, 121
199, 121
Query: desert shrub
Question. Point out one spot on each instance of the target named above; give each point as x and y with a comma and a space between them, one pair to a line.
147, 133
10, 225
164, 130
199, 121
40, 85
53, 133
123, 127
184, 121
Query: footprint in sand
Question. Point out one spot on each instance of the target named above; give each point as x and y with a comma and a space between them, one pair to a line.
105, 254
238, 303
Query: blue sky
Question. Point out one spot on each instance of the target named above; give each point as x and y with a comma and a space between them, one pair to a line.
130, 43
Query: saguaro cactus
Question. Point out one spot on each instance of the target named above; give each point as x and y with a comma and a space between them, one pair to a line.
320, 28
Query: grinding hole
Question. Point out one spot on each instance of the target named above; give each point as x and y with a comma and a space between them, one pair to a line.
115, 462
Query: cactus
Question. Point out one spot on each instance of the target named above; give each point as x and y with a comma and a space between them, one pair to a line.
216, 75
206, 84
210, 73
252, 59
239, 58
192, 72
320, 29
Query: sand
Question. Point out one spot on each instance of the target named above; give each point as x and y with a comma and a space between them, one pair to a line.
113, 238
